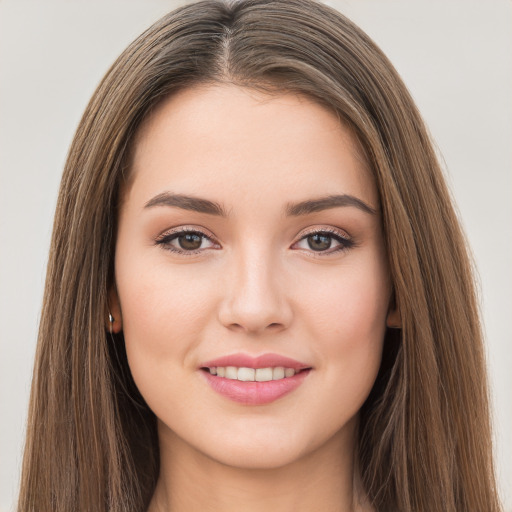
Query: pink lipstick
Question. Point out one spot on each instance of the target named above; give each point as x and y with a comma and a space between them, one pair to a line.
254, 380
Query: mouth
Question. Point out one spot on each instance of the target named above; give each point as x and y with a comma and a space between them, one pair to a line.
244, 374
254, 381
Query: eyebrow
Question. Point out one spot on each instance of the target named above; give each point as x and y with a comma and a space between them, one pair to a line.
292, 209
195, 204
325, 203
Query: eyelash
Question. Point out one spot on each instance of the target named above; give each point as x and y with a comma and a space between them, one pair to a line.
166, 238
169, 236
344, 241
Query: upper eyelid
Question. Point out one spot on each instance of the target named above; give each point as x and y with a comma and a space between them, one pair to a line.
337, 232
330, 230
186, 229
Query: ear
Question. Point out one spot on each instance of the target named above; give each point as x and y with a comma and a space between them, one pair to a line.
114, 308
393, 320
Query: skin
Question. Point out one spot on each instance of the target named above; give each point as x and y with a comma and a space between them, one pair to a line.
254, 286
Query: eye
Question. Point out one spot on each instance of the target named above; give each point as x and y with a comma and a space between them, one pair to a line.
323, 241
186, 241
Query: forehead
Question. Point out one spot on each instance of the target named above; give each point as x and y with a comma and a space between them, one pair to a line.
224, 138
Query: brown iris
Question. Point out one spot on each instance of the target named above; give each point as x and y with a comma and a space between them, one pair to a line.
190, 241
319, 242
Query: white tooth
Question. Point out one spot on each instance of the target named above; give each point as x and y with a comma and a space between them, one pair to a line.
221, 371
213, 370
289, 372
278, 373
231, 372
246, 374
263, 374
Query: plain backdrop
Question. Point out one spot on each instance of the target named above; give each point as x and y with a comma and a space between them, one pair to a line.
455, 56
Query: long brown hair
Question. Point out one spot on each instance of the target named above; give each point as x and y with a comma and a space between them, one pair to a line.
424, 439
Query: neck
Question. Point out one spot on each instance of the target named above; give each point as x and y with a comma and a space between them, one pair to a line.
190, 481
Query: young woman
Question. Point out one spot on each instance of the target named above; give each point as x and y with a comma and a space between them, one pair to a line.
258, 294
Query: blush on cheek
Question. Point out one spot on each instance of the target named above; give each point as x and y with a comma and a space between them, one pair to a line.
352, 317
163, 318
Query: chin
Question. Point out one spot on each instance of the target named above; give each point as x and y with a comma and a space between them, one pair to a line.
270, 448
256, 457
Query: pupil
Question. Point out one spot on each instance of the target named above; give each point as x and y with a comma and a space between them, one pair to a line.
319, 242
190, 241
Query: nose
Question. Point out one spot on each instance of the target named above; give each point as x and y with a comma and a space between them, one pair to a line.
254, 298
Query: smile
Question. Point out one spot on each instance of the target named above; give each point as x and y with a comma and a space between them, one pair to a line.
252, 374
254, 380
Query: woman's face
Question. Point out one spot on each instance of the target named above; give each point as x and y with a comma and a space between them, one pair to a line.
250, 246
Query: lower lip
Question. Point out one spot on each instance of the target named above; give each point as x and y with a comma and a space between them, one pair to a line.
255, 393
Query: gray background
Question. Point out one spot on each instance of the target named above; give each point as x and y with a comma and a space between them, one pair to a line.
455, 56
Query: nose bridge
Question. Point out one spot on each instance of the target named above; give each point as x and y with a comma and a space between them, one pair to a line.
255, 298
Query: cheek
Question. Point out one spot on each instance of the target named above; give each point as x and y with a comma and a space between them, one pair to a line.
164, 317
163, 313
347, 320
351, 304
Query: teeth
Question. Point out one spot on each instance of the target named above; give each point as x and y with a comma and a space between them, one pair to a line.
246, 374
263, 374
231, 373
278, 373
252, 374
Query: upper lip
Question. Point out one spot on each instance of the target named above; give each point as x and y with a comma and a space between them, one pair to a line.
262, 361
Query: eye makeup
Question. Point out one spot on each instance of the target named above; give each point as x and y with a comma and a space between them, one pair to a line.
186, 240
191, 240
324, 241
